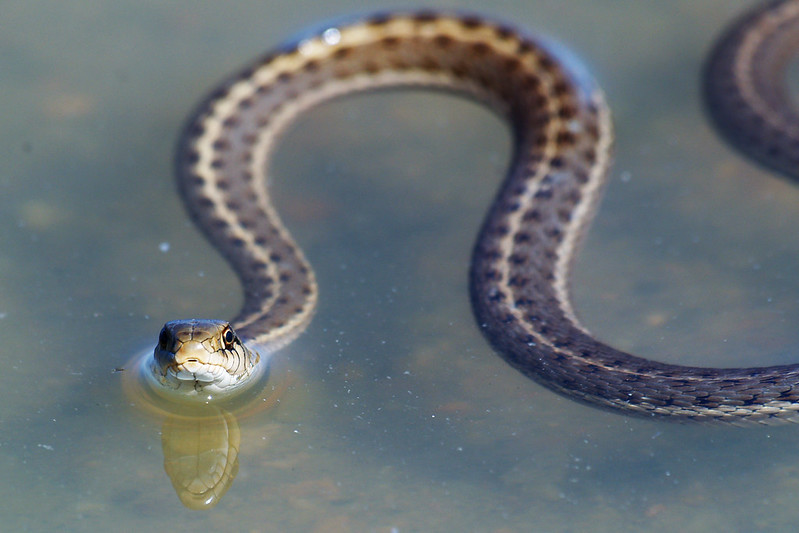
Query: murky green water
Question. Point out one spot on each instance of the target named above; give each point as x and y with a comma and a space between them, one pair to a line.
397, 415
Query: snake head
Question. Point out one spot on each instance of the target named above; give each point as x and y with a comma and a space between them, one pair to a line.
203, 358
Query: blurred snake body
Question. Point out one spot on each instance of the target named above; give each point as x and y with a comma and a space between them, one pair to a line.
519, 275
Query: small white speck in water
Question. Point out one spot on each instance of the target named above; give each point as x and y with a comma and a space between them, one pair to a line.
331, 36
164, 247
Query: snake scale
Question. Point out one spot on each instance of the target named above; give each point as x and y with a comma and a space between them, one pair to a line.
519, 275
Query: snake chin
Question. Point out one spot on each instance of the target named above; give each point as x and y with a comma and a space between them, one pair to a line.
202, 375
191, 386
193, 382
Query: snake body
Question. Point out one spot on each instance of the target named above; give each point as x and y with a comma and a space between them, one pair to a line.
519, 276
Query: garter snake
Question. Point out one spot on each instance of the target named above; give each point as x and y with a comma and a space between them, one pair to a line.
519, 275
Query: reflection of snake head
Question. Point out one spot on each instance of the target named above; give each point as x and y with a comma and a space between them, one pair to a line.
202, 358
201, 456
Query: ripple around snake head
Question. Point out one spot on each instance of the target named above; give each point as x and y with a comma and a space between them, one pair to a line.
145, 393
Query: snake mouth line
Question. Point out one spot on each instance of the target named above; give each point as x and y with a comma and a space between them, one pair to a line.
199, 373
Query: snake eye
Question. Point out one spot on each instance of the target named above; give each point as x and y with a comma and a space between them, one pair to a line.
163, 338
228, 336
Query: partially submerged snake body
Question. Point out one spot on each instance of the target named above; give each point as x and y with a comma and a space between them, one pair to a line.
519, 277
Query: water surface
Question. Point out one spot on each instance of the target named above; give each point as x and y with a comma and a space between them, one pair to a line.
398, 416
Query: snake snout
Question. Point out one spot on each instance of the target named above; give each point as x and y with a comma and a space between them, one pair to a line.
191, 361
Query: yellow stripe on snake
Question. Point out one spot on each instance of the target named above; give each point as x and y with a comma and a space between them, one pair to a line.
519, 275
